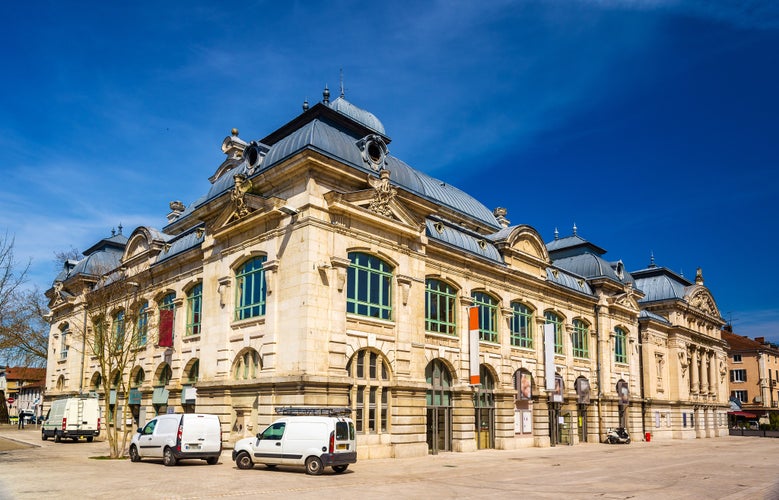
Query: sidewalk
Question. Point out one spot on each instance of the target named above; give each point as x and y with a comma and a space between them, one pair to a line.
725, 468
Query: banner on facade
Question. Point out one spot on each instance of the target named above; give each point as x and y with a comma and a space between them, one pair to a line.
549, 370
166, 328
473, 326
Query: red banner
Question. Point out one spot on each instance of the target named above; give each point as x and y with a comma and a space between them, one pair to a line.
166, 328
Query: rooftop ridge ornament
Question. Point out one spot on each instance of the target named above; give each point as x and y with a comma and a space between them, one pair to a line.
652, 259
574, 229
305, 104
342, 82
556, 234
326, 95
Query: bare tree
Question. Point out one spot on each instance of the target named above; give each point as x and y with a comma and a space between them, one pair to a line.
24, 333
116, 330
63, 256
12, 277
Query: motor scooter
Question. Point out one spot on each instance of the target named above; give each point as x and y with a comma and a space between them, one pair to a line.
617, 435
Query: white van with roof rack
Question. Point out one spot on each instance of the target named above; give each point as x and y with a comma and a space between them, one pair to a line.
310, 436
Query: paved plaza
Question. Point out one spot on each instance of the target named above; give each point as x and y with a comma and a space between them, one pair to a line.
725, 468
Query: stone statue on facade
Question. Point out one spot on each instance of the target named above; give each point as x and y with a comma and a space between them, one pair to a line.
242, 186
384, 193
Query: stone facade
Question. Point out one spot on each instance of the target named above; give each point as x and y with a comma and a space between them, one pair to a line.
321, 271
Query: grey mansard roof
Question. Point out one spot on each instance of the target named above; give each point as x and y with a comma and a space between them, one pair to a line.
332, 131
660, 283
579, 256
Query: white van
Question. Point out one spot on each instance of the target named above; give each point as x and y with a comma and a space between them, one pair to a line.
177, 436
72, 418
313, 437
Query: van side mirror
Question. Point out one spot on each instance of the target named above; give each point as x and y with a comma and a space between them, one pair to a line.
259, 436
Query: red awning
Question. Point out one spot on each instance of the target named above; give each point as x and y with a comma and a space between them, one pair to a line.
742, 414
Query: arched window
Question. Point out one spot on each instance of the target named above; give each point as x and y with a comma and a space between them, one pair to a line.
440, 309
580, 339
250, 289
138, 379
439, 383
369, 286
143, 324
620, 346
194, 372
488, 316
246, 365
370, 394
194, 308
96, 382
553, 319
165, 375
521, 325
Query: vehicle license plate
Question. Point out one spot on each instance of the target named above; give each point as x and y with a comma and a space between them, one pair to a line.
193, 447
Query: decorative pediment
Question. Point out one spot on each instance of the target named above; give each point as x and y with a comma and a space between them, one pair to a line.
382, 199
701, 299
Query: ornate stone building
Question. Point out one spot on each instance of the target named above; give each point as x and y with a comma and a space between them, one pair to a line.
320, 270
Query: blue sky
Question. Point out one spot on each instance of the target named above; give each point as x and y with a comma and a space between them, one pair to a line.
650, 124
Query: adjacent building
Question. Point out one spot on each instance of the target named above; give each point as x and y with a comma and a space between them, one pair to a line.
753, 366
318, 269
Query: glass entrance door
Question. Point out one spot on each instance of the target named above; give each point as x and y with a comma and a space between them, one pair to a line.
439, 429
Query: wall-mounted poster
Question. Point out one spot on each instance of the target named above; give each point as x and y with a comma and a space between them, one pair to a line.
525, 385
517, 421
527, 422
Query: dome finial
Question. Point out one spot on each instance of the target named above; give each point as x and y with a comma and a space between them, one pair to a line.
326, 95
305, 104
556, 234
120, 228
342, 82
574, 229
652, 259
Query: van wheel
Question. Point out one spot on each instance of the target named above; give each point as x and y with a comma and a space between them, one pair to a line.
89, 439
313, 466
168, 458
244, 461
339, 468
44, 436
212, 460
75, 439
134, 456
57, 437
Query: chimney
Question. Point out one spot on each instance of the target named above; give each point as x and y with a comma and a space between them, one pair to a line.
760, 340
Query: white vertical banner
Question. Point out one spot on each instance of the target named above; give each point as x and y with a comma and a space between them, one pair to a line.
549, 371
473, 330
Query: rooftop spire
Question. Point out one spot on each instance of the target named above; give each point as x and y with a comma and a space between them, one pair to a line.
342, 82
574, 229
556, 234
652, 259
120, 228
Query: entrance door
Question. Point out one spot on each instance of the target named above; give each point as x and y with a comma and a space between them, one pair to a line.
582, 422
439, 407
439, 429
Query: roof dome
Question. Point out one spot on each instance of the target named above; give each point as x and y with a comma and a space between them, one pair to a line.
357, 114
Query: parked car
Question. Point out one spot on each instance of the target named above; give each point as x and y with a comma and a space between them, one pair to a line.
72, 418
178, 436
312, 437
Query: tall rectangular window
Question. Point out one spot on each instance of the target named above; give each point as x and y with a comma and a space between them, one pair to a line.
738, 375
620, 346
143, 324
580, 339
440, 309
369, 286
194, 308
521, 326
250, 289
553, 319
488, 316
